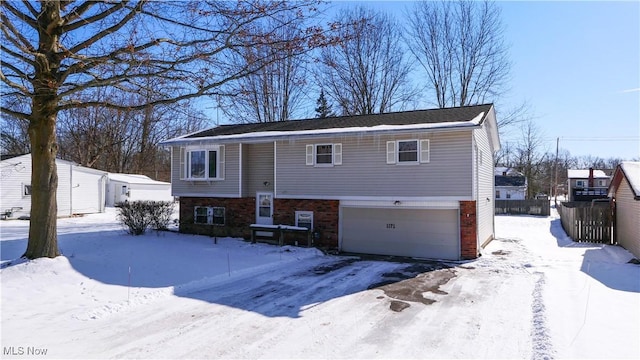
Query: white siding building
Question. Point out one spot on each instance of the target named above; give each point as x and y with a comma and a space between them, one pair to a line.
133, 187
81, 190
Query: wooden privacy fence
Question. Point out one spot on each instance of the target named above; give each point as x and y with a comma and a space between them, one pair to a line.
523, 207
588, 222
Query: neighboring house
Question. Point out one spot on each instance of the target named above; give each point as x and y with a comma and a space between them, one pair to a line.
132, 187
81, 190
587, 185
625, 189
415, 183
510, 184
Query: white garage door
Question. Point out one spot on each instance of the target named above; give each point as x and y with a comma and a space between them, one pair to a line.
402, 232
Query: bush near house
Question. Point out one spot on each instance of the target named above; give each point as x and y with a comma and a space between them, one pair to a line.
137, 216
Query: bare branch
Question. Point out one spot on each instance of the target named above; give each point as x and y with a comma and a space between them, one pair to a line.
20, 15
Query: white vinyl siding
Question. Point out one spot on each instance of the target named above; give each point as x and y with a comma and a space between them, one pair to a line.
449, 172
485, 188
627, 219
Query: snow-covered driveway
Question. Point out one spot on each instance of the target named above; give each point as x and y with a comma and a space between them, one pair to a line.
533, 294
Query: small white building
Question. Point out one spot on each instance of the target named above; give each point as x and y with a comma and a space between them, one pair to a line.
133, 187
81, 190
510, 184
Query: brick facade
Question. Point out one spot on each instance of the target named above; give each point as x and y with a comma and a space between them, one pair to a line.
325, 218
241, 212
468, 230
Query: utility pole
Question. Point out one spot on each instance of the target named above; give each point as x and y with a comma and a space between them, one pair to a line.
556, 179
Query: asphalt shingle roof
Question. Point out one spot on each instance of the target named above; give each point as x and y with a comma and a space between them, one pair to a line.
502, 180
433, 116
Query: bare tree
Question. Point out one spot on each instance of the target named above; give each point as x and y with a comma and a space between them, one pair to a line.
274, 92
460, 46
368, 71
529, 158
54, 52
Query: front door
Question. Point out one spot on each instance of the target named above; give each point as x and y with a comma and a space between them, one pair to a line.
264, 208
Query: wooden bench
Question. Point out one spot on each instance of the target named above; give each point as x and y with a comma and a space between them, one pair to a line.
277, 232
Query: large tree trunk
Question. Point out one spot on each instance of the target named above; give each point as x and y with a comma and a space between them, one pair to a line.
43, 237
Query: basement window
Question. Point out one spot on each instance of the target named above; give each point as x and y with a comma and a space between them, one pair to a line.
209, 215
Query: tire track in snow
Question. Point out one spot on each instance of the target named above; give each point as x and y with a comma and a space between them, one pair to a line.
542, 347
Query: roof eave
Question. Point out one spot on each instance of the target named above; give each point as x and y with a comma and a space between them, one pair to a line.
310, 134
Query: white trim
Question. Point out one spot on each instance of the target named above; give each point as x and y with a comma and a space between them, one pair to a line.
207, 195
310, 154
240, 170
397, 204
337, 153
264, 135
275, 168
376, 198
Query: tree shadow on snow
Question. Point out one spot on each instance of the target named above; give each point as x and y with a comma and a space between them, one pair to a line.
608, 264
191, 264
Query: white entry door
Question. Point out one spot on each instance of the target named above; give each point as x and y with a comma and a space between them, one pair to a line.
264, 208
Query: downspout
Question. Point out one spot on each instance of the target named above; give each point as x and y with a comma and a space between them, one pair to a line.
70, 189
240, 170
275, 163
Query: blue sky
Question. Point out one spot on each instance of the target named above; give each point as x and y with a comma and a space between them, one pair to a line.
577, 65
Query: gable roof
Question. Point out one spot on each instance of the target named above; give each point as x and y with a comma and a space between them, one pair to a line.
584, 174
631, 171
501, 180
458, 117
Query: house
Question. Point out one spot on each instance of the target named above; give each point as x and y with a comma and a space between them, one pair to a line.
81, 190
414, 183
587, 185
625, 189
133, 187
510, 184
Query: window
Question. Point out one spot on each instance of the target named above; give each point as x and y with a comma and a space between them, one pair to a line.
508, 195
304, 219
408, 152
123, 191
497, 194
581, 183
201, 215
26, 190
602, 183
209, 215
202, 164
324, 154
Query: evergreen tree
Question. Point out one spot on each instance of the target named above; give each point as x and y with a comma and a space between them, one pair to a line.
323, 109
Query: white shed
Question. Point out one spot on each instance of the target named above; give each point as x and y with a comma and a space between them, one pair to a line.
81, 190
133, 187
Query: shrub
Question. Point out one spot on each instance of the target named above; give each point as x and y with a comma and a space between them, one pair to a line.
137, 216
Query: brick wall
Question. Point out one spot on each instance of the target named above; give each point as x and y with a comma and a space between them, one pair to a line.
241, 212
468, 230
325, 217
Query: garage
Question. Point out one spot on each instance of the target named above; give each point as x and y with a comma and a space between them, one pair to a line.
423, 233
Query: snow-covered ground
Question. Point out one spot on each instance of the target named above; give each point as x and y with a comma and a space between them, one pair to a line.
533, 294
